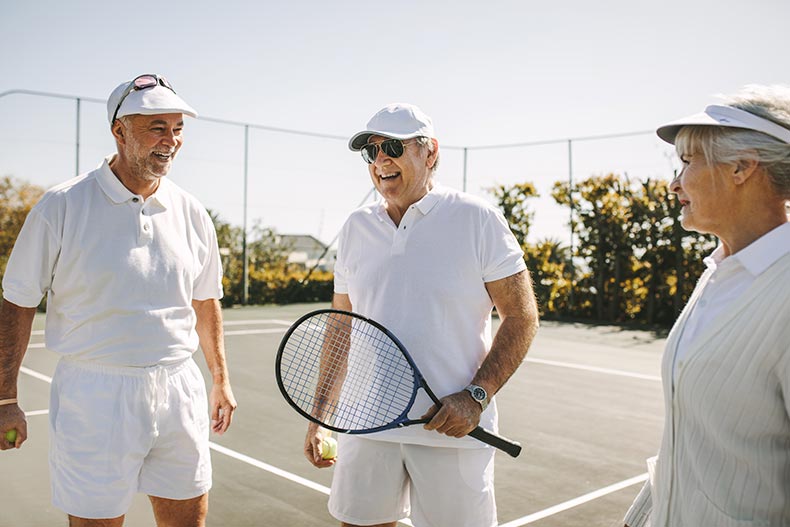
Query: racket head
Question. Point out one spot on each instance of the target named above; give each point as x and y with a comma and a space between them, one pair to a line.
346, 372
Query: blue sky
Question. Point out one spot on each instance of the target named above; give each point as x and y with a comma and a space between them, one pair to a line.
487, 72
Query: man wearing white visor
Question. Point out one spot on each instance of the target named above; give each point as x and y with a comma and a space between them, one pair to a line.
130, 266
429, 263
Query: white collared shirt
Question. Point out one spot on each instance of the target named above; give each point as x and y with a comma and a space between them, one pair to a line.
425, 281
727, 278
120, 272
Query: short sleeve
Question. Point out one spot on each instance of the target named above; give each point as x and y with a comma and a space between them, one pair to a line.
340, 275
501, 255
31, 266
208, 283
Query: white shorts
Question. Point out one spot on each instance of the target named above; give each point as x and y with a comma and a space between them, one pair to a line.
118, 431
380, 481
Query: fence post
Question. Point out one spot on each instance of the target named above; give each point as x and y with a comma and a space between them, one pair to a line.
570, 202
465, 152
77, 132
245, 281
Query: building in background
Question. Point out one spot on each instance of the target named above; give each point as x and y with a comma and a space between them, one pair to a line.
308, 251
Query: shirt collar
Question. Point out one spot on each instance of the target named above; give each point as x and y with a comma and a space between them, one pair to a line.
110, 184
424, 205
114, 189
758, 255
429, 200
766, 250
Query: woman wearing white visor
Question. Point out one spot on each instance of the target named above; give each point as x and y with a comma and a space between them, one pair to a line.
724, 459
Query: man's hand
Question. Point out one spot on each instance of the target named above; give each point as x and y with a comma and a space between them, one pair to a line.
222, 404
312, 446
458, 415
15, 325
12, 418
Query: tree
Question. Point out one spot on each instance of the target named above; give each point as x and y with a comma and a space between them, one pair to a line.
547, 260
229, 239
513, 203
642, 264
16, 200
272, 279
602, 204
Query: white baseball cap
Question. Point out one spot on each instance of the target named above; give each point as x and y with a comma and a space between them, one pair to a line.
398, 121
148, 94
726, 116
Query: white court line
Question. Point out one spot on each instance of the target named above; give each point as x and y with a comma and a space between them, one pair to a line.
570, 365
276, 471
515, 523
269, 468
37, 375
595, 369
325, 490
575, 502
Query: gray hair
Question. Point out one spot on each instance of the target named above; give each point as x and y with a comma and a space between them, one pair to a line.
427, 142
730, 146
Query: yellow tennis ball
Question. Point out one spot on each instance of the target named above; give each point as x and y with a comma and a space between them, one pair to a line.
329, 448
10, 436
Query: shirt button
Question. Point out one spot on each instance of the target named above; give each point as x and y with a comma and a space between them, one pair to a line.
145, 227
135, 199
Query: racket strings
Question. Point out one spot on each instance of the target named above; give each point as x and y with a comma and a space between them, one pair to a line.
346, 373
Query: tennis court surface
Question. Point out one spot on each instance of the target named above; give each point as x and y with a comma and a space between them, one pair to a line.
586, 406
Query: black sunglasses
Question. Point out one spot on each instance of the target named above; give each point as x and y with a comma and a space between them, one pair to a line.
143, 82
391, 147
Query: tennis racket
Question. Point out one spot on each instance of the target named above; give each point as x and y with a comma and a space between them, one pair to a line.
351, 375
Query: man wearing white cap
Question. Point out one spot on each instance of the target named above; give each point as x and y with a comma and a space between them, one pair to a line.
429, 263
130, 266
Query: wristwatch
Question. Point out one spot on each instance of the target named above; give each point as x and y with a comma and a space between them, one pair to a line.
479, 394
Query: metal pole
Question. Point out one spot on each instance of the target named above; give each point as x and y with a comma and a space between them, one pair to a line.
570, 201
78, 138
465, 152
245, 282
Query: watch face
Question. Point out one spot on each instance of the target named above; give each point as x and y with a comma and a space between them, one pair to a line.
479, 393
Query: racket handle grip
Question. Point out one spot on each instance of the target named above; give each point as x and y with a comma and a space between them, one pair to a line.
505, 445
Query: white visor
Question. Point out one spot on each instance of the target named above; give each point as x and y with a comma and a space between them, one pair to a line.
726, 116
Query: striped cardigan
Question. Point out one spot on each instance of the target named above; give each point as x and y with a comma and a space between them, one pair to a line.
724, 459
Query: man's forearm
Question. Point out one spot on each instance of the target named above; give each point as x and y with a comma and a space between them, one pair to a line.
211, 335
15, 324
517, 308
510, 346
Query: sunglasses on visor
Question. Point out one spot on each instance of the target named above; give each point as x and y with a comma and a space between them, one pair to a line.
391, 147
143, 82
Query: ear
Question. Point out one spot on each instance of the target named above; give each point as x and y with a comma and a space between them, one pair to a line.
431, 160
744, 169
118, 130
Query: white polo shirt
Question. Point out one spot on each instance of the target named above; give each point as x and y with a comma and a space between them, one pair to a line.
120, 273
424, 280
